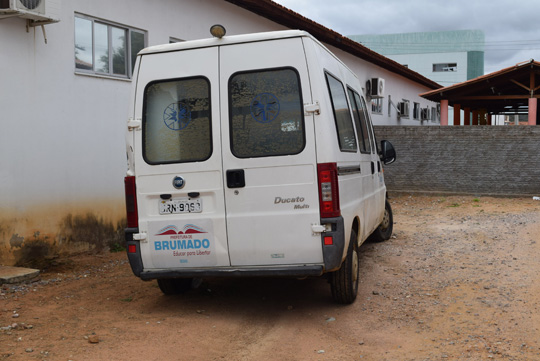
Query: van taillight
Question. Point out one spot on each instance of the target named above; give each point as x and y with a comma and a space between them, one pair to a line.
328, 190
131, 203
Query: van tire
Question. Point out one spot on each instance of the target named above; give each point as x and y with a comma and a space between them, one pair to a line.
175, 286
344, 281
385, 229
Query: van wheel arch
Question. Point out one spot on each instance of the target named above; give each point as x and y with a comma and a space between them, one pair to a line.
344, 281
356, 229
384, 231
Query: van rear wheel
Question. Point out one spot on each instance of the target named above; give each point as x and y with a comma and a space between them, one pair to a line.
344, 282
385, 229
176, 286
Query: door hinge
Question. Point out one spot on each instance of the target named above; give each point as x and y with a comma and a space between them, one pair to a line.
142, 237
134, 124
313, 108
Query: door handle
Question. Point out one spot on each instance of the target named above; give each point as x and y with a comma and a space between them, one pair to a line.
372, 168
236, 178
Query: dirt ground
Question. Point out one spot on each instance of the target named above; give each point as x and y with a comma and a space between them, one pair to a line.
457, 281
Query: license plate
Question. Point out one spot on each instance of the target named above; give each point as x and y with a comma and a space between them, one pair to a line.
173, 206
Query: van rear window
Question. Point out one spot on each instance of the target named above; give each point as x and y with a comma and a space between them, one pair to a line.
176, 121
266, 113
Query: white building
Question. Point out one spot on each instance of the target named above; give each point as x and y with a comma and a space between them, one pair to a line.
64, 94
446, 57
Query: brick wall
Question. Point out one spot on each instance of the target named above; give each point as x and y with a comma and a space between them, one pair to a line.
477, 160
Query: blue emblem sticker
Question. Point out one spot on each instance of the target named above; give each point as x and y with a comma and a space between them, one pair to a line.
264, 107
178, 182
177, 116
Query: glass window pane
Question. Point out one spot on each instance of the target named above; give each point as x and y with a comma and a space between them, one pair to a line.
369, 126
342, 115
360, 115
102, 47
137, 44
266, 115
83, 44
176, 121
119, 50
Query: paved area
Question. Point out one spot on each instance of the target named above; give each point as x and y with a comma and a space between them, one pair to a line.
13, 275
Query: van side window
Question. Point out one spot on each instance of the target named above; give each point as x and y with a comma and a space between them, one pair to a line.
342, 115
369, 124
176, 121
360, 120
266, 113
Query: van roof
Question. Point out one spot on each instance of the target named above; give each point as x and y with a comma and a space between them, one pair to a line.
227, 40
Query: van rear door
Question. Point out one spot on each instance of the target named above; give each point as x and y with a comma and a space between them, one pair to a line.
178, 161
269, 160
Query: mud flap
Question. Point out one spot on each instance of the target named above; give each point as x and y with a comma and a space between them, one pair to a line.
333, 254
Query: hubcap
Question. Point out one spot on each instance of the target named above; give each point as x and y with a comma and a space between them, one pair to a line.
386, 219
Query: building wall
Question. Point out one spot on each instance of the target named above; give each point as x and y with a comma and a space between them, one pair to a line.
62, 147
423, 49
474, 160
423, 64
397, 88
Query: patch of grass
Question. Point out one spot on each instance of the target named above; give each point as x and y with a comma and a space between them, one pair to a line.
117, 247
454, 205
127, 299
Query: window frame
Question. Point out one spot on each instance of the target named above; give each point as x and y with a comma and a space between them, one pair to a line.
440, 67
129, 57
347, 101
144, 120
416, 111
377, 106
365, 149
302, 114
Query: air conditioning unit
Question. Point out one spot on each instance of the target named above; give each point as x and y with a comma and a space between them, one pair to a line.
403, 108
425, 114
43, 11
376, 88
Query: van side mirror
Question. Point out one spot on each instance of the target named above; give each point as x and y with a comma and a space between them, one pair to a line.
388, 153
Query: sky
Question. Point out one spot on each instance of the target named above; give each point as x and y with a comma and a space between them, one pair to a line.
511, 28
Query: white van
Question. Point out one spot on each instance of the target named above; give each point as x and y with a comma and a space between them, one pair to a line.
251, 155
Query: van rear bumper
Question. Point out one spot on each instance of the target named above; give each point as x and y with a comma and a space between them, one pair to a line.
270, 271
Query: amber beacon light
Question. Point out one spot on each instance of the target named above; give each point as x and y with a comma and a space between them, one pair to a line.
217, 31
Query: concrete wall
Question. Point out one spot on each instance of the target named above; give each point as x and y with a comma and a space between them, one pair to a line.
479, 160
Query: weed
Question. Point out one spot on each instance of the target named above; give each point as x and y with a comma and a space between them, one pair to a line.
117, 247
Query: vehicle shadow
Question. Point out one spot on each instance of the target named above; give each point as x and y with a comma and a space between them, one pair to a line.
232, 295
